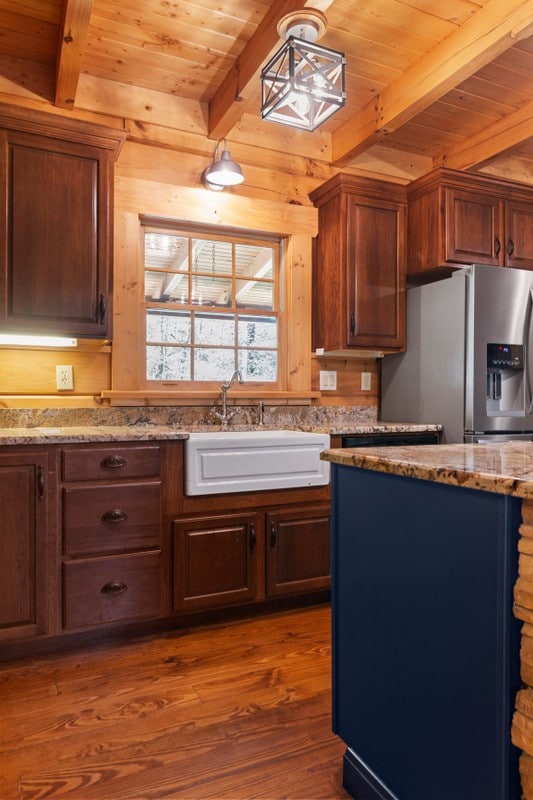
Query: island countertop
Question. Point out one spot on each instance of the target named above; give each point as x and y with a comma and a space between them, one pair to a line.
502, 468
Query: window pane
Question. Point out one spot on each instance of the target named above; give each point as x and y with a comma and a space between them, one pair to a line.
213, 364
168, 326
252, 261
258, 331
214, 329
166, 251
211, 291
166, 287
254, 294
211, 257
258, 365
168, 363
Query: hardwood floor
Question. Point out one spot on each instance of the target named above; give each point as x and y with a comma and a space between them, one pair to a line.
230, 712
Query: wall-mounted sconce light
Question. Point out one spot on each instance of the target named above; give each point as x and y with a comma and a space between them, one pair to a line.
222, 171
303, 83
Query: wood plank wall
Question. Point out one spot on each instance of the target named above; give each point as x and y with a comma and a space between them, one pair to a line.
153, 159
522, 728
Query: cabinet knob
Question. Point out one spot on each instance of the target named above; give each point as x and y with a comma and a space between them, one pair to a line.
510, 247
114, 587
253, 538
114, 516
497, 246
113, 462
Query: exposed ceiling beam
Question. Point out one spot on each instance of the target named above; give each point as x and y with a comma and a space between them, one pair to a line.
241, 84
511, 131
74, 32
486, 34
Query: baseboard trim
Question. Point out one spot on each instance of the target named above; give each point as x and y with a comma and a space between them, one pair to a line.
360, 781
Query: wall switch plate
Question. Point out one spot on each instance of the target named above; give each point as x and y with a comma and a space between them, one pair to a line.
328, 380
366, 381
64, 377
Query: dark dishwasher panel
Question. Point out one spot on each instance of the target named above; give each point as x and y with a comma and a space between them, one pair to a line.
389, 439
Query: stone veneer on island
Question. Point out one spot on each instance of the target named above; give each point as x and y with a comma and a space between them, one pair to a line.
489, 470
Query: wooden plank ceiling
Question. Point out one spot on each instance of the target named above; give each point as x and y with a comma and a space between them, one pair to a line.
442, 82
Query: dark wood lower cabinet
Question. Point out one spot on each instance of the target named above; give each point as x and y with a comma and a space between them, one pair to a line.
214, 561
227, 559
23, 544
297, 550
111, 589
98, 540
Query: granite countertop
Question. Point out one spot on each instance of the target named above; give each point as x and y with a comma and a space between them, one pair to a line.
90, 433
139, 433
503, 468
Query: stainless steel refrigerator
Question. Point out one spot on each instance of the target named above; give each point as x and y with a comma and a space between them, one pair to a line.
469, 357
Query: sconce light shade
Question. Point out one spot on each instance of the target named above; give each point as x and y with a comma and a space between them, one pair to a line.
303, 84
222, 171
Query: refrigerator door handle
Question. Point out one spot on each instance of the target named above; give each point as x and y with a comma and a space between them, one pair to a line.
528, 341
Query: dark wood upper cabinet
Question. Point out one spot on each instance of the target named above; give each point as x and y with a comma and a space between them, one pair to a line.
456, 219
359, 265
57, 212
519, 228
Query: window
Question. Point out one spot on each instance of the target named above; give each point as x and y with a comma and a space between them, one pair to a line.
212, 305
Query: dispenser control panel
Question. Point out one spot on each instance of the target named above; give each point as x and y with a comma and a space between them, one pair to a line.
505, 356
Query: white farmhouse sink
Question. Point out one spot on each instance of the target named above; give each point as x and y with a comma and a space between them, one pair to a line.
246, 461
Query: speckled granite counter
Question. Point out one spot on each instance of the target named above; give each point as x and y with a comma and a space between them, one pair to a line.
63, 434
502, 468
96, 433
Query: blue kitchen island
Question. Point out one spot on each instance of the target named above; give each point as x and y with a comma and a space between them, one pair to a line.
426, 649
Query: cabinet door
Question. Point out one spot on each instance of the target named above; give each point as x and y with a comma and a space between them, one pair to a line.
473, 230
519, 234
56, 234
23, 545
297, 550
375, 275
215, 561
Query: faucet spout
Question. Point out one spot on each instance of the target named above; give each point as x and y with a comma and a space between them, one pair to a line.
225, 415
235, 377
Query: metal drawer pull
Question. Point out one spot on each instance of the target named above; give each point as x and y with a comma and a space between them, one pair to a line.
253, 538
114, 516
113, 462
114, 587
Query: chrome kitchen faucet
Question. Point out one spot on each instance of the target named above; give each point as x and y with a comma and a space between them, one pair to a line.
226, 415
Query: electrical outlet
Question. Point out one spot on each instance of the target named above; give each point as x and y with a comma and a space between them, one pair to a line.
366, 381
328, 380
64, 377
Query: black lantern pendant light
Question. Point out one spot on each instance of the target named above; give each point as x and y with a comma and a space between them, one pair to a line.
303, 83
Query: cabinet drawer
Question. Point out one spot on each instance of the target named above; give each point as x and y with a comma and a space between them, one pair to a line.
110, 463
109, 518
112, 589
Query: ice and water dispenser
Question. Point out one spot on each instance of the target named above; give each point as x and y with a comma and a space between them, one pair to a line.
505, 380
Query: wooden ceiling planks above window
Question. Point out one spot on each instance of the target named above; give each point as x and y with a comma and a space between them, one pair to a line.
451, 82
